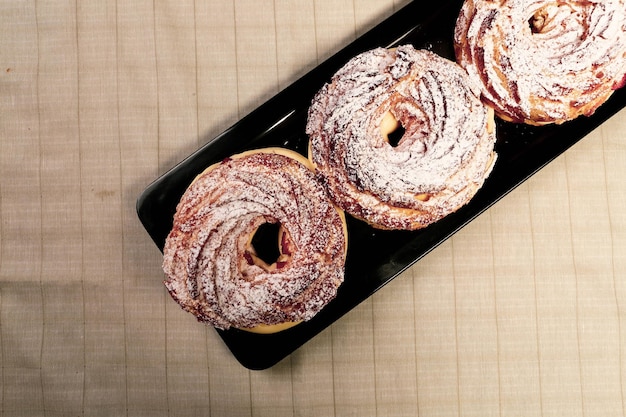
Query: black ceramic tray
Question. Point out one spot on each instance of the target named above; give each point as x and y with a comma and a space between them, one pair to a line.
374, 257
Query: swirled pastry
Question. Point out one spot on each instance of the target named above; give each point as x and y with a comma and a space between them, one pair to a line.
400, 137
212, 266
541, 61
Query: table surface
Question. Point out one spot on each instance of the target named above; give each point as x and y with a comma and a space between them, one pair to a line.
520, 313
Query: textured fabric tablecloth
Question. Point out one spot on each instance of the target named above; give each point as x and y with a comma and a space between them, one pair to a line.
522, 313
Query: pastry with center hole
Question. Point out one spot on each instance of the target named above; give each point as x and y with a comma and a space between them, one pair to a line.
400, 137
539, 61
213, 268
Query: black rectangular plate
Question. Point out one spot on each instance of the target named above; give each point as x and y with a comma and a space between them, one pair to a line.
374, 257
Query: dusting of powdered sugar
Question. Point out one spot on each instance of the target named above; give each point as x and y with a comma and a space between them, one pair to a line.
204, 254
554, 68
445, 152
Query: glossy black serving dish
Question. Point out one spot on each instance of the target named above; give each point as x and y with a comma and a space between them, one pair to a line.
374, 257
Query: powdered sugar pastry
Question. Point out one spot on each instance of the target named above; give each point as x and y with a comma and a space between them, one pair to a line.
541, 61
212, 268
442, 158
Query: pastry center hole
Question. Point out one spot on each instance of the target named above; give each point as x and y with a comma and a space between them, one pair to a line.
265, 242
395, 137
392, 130
538, 21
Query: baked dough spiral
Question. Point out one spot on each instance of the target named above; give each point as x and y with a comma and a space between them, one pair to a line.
541, 61
212, 267
442, 158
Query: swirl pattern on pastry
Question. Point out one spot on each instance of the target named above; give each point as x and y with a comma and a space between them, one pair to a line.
541, 61
212, 267
442, 157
